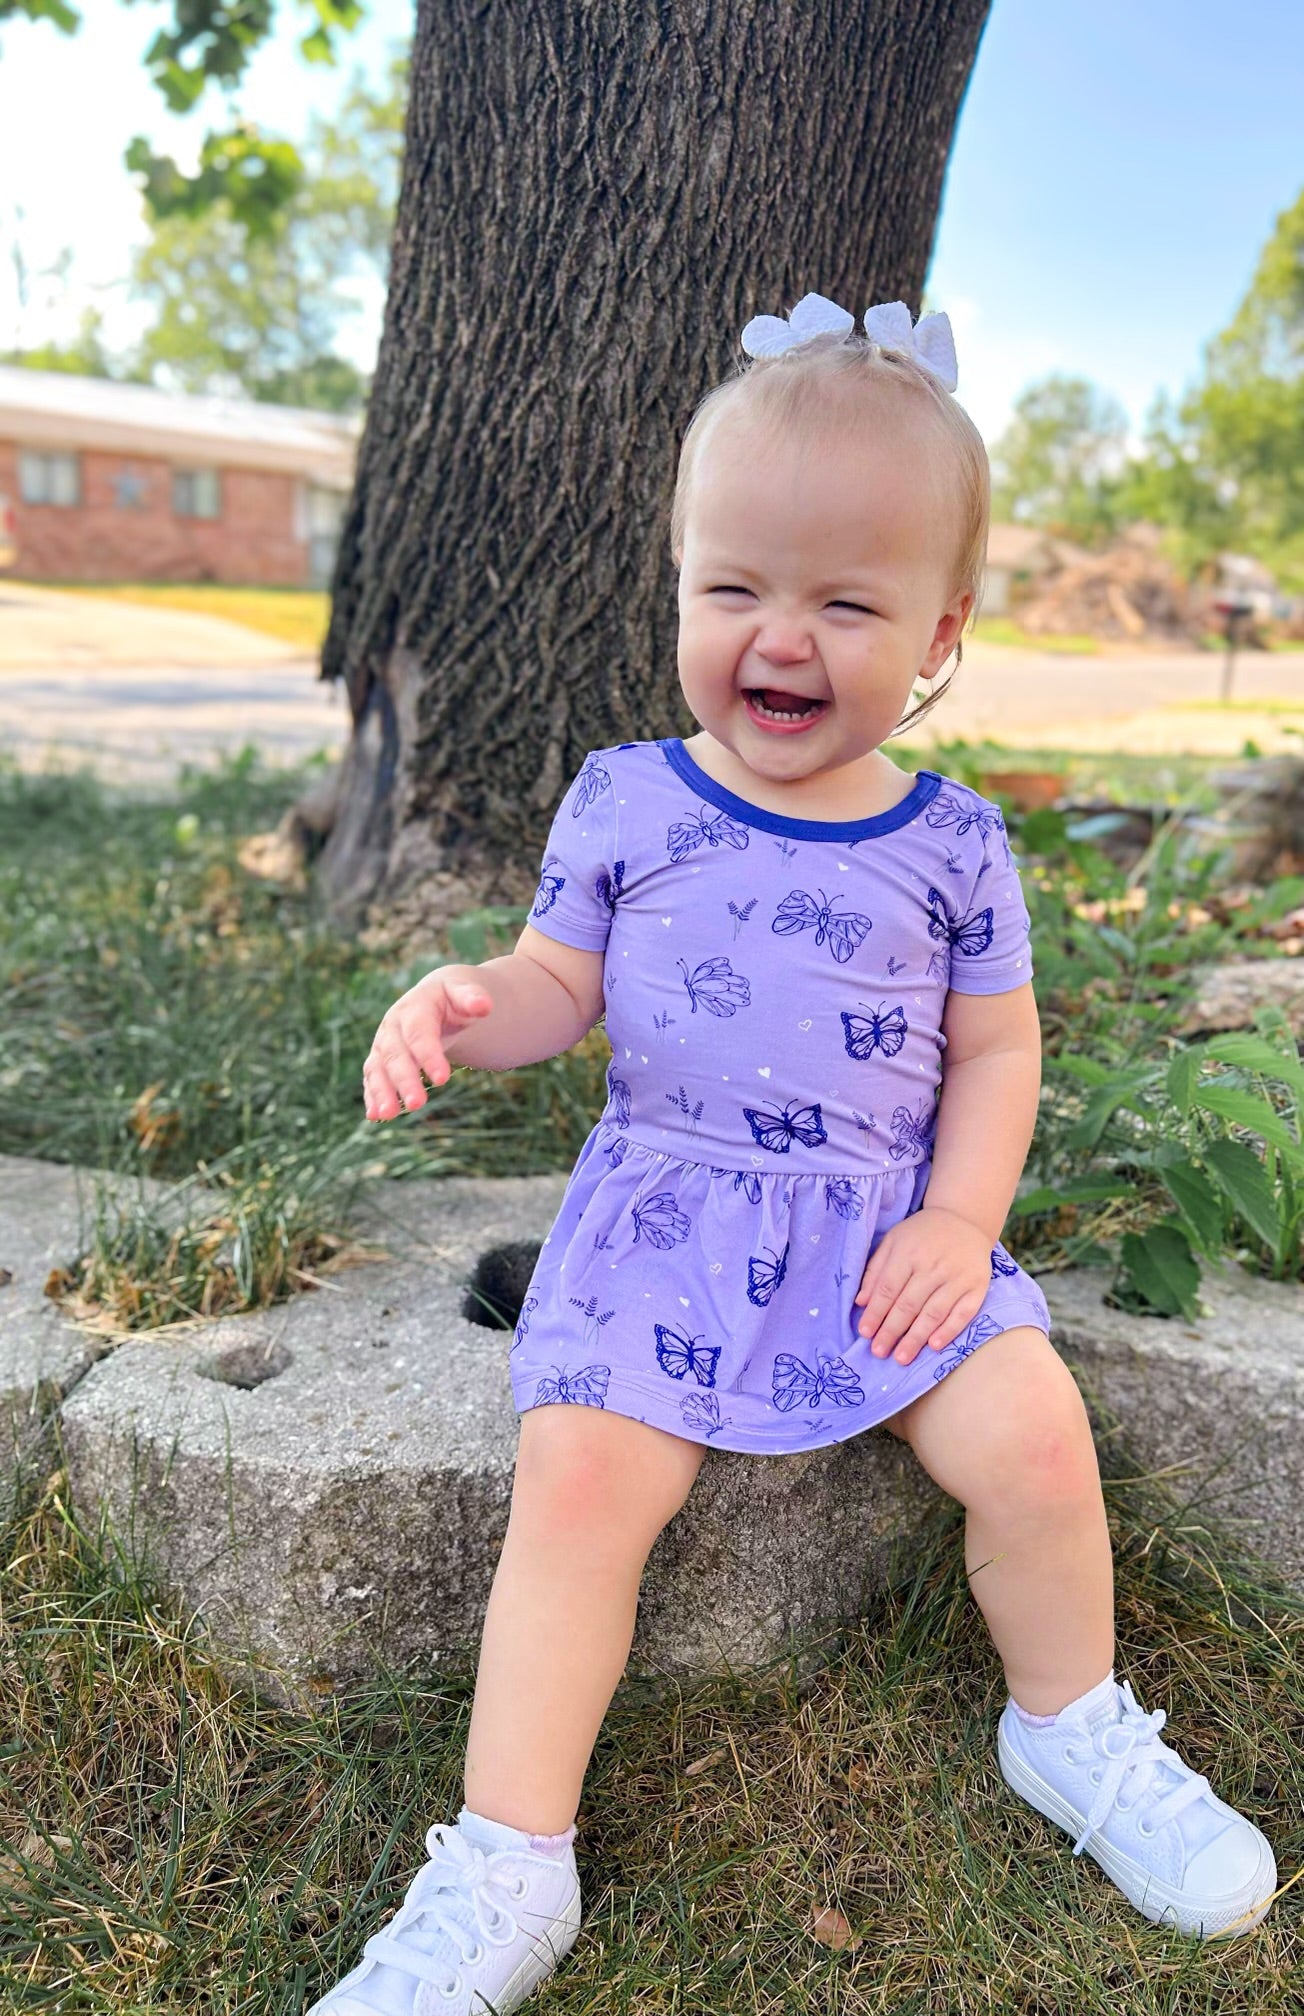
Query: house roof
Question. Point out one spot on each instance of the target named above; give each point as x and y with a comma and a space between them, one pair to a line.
56, 409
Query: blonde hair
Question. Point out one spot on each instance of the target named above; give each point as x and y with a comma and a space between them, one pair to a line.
818, 382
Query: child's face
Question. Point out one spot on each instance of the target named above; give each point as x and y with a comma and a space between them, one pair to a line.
821, 570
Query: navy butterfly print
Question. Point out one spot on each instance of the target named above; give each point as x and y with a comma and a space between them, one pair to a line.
550, 887
609, 888
832, 1379
967, 1343
800, 912
970, 935
714, 828
702, 1410
593, 780
863, 1035
658, 1216
764, 1276
912, 1132
714, 983
948, 810
678, 1355
842, 1196
743, 1179
1001, 1261
778, 1132
586, 1388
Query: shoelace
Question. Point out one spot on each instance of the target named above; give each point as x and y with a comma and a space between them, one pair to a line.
1133, 1745
457, 1874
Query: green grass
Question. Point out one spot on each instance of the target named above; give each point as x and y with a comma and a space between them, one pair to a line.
194, 1850
1004, 630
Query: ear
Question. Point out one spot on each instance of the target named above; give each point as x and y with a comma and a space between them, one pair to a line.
946, 636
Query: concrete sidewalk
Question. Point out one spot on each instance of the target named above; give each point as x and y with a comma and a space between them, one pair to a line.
135, 692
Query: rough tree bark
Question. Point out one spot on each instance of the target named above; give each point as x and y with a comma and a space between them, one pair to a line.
596, 196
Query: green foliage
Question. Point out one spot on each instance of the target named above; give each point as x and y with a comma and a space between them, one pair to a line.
1153, 1153
258, 308
1058, 462
85, 357
1225, 468
65, 18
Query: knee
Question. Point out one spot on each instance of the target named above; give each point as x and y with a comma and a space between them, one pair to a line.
584, 1489
1045, 1457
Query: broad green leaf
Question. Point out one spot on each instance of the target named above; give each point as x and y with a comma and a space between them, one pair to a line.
1159, 1269
1247, 1109
1251, 1053
1182, 1075
1198, 1201
1084, 1190
1241, 1177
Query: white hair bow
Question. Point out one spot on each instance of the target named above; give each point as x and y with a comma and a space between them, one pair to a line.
929, 342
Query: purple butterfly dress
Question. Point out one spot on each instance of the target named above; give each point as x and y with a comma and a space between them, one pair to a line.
774, 995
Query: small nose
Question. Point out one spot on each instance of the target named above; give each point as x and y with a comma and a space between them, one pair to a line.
784, 640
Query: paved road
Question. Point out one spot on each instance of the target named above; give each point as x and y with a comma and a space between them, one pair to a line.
137, 691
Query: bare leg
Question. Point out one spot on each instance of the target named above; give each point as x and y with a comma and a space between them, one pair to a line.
591, 1493
1007, 1434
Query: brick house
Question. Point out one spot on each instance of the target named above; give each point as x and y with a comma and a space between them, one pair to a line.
111, 482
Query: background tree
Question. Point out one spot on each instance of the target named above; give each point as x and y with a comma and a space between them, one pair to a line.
1059, 462
594, 201
211, 42
1225, 467
258, 311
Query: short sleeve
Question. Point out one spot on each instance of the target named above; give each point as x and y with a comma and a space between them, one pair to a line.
991, 948
580, 878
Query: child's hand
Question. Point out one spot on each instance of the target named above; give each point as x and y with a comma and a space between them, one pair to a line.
409, 1040
924, 1282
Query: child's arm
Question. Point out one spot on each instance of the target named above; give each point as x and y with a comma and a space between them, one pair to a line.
532, 1003
929, 1275
991, 1079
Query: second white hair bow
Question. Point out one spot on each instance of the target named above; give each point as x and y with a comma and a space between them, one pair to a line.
929, 341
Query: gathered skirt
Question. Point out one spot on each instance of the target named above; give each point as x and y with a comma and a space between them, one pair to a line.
719, 1304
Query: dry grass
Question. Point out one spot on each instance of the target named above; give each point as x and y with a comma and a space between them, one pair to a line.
190, 1849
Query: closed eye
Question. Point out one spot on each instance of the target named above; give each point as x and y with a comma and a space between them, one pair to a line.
734, 588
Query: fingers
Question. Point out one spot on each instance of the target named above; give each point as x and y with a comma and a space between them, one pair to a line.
912, 1319
391, 1077
407, 1044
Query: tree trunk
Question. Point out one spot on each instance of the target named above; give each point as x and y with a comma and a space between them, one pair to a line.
595, 198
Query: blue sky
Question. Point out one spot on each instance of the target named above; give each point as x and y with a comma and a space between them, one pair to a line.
1117, 168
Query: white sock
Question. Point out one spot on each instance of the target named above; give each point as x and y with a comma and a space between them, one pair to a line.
1096, 1696
487, 1833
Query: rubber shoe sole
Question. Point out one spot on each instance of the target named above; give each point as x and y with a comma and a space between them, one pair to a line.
1154, 1899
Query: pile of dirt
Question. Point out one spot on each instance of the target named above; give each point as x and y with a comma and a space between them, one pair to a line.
1128, 592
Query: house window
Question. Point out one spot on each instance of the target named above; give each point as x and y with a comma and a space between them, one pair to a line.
196, 493
48, 479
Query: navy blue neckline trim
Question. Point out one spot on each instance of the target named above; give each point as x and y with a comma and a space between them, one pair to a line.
927, 785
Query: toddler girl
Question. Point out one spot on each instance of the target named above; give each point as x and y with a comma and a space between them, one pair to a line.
785, 1227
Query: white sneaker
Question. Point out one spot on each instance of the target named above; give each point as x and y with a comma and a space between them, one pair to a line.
1179, 1854
482, 1923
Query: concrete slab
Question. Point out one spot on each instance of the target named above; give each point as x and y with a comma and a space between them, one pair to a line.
328, 1482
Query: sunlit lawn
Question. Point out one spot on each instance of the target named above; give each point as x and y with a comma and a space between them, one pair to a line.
295, 615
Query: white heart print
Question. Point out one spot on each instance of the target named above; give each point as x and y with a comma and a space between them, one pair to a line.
805, 1024
716, 1265
763, 1070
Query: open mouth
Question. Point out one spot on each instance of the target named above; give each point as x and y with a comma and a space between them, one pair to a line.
771, 703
